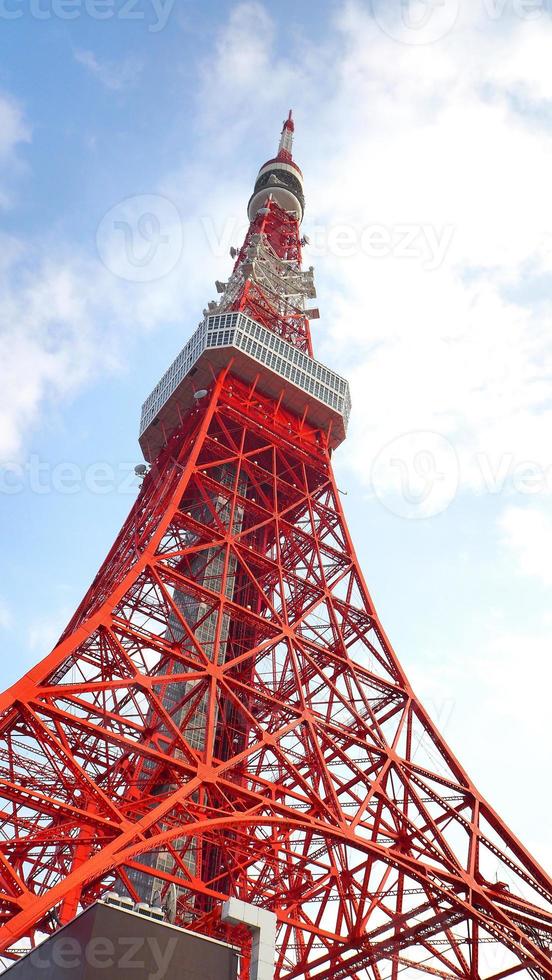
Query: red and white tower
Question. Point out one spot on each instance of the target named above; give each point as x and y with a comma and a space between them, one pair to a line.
224, 716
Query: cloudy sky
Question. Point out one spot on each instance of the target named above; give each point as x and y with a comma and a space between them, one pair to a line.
130, 134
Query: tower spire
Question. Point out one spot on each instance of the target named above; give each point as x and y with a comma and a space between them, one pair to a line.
280, 178
286, 139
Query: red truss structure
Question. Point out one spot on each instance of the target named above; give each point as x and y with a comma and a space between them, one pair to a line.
225, 716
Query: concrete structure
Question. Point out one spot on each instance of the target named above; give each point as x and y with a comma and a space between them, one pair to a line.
263, 928
109, 943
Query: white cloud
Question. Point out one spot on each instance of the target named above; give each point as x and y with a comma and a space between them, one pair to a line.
44, 633
63, 321
243, 77
46, 338
491, 703
525, 69
113, 75
463, 350
432, 138
13, 132
397, 135
66, 318
244, 47
13, 129
527, 536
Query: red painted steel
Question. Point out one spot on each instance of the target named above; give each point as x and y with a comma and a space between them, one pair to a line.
226, 715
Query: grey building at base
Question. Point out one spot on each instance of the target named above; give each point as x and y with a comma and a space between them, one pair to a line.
106, 942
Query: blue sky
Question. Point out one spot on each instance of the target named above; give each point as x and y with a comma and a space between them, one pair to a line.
426, 145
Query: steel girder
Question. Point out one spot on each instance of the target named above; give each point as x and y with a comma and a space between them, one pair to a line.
321, 789
225, 714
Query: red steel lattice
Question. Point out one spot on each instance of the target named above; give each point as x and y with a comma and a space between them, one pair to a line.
225, 715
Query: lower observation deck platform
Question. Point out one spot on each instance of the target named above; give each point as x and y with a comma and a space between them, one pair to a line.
303, 385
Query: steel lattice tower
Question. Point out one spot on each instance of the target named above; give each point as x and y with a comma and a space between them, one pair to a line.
225, 716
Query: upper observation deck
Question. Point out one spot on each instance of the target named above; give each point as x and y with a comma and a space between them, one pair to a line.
303, 385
